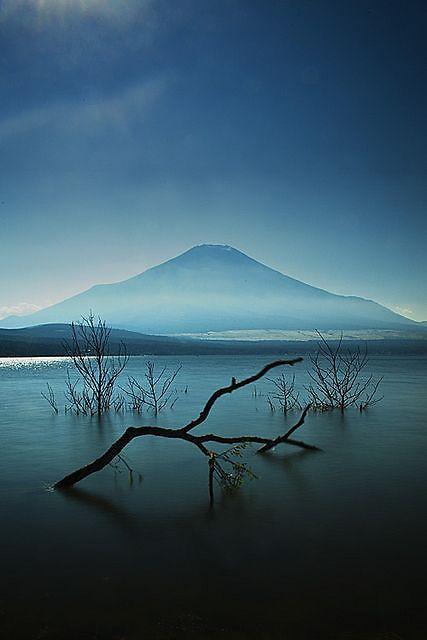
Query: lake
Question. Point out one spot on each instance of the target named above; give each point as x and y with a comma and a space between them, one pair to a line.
324, 544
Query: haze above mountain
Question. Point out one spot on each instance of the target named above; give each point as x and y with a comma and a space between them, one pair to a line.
216, 288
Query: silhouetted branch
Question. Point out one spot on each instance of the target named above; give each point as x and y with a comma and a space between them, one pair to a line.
233, 387
287, 435
183, 433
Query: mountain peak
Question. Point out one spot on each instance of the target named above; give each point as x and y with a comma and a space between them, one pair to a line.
212, 248
215, 251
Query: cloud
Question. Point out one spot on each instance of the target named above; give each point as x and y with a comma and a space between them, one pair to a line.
116, 110
40, 13
404, 311
20, 309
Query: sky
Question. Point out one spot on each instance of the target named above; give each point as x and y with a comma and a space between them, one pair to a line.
295, 131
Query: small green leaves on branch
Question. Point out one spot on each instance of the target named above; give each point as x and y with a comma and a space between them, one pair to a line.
229, 472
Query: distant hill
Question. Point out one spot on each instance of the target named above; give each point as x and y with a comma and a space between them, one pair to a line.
217, 288
48, 340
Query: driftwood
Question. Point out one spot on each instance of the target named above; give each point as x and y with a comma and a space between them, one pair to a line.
200, 441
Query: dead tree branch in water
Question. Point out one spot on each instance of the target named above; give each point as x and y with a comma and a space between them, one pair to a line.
50, 397
157, 391
284, 393
89, 349
216, 461
370, 398
337, 377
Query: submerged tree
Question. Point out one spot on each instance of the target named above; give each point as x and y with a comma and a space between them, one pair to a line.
156, 393
218, 462
284, 394
337, 377
50, 397
90, 350
93, 391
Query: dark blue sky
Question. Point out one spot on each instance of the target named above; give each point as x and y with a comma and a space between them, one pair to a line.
292, 130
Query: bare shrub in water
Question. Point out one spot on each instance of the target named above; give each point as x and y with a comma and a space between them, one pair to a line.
156, 393
92, 393
284, 394
337, 378
50, 397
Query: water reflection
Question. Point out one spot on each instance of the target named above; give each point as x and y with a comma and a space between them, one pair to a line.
115, 513
38, 362
290, 465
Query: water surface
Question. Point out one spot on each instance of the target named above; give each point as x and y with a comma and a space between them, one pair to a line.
322, 545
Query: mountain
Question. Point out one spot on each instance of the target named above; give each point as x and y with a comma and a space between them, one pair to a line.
216, 288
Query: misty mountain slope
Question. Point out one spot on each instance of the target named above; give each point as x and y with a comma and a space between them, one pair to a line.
215, 288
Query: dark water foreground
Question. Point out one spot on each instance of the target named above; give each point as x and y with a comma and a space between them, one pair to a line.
324, 545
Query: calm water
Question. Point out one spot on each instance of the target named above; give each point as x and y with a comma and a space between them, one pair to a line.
323, 545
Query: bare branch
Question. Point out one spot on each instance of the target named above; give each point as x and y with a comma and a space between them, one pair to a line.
284, 394
233, 387
337, 376
286, 436
199, 441
93, 391
50, 397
